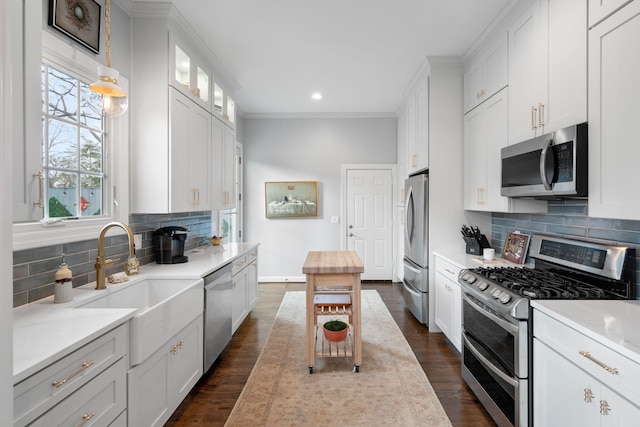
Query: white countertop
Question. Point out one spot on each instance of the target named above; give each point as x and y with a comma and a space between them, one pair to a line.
464, 260
43, 332
611, 323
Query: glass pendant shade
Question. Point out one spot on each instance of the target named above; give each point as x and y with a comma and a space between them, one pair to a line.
114, 98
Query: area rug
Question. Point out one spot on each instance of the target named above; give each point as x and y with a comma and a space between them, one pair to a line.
391, 388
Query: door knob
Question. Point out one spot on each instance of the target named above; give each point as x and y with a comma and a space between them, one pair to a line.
351, 226
350, 234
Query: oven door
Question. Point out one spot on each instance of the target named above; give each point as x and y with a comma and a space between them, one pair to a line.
495, 356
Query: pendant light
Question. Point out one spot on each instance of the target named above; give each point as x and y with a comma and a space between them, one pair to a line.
114, 98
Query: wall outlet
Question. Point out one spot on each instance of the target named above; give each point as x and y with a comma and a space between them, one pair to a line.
335, 220
137, 240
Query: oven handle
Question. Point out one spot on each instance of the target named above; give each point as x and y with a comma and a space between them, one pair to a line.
512, 329
506, 378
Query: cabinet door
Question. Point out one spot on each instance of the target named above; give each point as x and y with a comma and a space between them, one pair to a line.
614, 59
200, 155
149, 392
239, 307
563, 394
473, 78
618, 411
412, 138
527, 74
496, 128
218, 130
181, 193
443, 304
186, 359
474, 159
229, 169
422, 124
567, 59
252, 285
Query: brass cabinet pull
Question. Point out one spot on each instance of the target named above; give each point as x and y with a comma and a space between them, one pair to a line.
588, 395
540, 114
449, 271
39, 203
604, 407
86, 418
85, 365
599, 363
533, 118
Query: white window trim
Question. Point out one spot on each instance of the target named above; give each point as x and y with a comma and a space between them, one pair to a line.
32, 235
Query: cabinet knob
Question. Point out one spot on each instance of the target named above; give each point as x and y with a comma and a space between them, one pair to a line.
604, 407
588, 395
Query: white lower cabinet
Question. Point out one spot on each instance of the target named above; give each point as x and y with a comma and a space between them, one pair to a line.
448, 301
160, 383
245, 287
88, 384
571, 383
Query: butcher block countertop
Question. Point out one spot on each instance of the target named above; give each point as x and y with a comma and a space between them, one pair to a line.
332, 262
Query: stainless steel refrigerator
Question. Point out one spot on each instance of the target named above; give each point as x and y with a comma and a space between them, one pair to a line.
416, 246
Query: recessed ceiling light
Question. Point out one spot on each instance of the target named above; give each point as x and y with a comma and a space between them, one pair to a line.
316, 95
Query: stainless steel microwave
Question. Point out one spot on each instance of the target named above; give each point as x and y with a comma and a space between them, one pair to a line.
551, 166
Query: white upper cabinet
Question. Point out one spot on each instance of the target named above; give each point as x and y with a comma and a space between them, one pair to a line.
614, 61
230, 112
485, 134
416, 121
547, 68
188, 73
171, 122
487, 73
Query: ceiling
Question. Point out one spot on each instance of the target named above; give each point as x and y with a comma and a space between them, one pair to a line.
360, 54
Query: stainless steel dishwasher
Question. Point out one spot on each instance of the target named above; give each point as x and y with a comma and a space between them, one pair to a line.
217, 313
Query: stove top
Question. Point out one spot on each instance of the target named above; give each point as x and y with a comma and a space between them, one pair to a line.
564, 269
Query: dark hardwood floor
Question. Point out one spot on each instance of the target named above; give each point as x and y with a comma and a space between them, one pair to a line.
212, 399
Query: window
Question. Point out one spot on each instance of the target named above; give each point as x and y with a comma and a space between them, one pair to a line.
93, 156
72, 150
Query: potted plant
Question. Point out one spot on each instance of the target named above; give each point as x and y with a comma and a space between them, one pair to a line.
335, 330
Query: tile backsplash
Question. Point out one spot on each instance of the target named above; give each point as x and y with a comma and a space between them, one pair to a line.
34, 269
568, 218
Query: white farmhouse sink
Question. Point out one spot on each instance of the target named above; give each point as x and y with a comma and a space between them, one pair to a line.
165, 306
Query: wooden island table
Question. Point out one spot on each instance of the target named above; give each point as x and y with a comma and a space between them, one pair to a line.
333, 289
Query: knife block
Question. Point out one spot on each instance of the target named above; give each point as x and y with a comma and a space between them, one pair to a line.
476, 245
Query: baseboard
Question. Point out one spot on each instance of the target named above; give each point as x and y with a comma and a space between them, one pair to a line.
280, 279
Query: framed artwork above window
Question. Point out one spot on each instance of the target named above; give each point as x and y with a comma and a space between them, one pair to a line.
77, 19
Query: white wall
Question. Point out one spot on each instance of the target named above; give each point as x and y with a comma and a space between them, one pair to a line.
8, 11
304, 150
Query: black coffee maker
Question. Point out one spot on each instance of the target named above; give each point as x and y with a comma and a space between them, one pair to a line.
169, 245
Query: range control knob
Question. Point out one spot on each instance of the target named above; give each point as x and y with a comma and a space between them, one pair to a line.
483, 285
505, 298
496, 293
471, 279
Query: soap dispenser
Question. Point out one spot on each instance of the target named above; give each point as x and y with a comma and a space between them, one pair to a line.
63, 284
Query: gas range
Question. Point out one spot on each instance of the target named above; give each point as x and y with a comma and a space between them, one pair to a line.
564, 269
496, 314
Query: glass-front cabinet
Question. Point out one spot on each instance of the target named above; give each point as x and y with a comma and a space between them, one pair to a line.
218, 100
230, 115
190, 75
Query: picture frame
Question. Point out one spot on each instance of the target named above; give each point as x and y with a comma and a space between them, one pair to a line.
515, 247
291, 199
78, 20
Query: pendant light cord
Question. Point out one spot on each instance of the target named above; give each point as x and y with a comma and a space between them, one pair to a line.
107, 23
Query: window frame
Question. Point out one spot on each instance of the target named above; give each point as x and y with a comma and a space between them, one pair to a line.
116, 188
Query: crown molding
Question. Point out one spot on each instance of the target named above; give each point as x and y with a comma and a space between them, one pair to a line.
384, 115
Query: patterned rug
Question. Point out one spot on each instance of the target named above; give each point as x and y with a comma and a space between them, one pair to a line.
391, 388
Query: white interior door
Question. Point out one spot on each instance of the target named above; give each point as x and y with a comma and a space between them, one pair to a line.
369, 220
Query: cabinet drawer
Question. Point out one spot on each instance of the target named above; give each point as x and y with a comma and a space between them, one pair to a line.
447, 269
97, 403
252, 256
596, 358
238, 264
36, 394
600, 9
